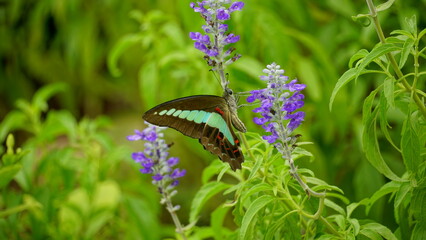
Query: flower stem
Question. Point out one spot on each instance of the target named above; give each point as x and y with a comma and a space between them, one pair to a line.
172, 211
286, 151
390, 57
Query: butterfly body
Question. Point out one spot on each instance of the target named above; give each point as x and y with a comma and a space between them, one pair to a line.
208, 118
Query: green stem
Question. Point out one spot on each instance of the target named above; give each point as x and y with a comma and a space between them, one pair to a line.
172, 211
14, 210
392, 60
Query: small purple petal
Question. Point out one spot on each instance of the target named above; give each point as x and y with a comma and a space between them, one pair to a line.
222, 14
139, 156
178, 173
251, 99
146, 170
157, 177
260, 121
231, 38
200, 46
271, 138
172, 161
212, 53
223, 28
236, 6
174, 183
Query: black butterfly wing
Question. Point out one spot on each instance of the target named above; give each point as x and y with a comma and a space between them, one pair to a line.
215, 142
204, 117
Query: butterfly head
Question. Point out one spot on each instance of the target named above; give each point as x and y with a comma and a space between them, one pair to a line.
232, 101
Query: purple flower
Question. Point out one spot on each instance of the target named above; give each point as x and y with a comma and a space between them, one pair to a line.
236, 6
223, 14
279, 102
172, 161
178, 173
157, 177
231, 38
155, 158
213, 44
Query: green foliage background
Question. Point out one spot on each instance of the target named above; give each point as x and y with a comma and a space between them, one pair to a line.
75, 77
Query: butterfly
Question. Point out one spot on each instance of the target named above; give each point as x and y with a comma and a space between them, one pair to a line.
207, 118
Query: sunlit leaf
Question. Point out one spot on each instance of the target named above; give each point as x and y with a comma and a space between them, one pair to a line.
384, 5
7, 173
343, 80
369, 138
119, 48
203, 195
252, 210
410, 145
378, 51
406, 49
389, 187
380, 229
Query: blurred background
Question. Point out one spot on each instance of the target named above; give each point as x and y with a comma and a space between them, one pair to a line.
109, 61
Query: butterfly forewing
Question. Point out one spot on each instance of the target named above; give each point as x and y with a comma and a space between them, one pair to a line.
204, 117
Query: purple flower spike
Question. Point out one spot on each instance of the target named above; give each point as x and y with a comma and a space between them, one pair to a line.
215, 13
279, 102
155, 158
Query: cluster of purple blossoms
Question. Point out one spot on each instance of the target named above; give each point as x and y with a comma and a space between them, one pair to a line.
212, 44
155, 158
279, 102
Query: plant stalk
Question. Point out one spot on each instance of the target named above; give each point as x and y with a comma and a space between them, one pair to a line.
391, 58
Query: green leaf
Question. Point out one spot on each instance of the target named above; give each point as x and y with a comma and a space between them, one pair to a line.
378, 51
401, 32
118, 49
257, 165
419, 231
355, 225
210, 171
369, 138
389, 89
389, 187
13, 120
384, 5
380, 229
410, 145
357, 56
7, 173
205, 193
334, 206
255, 191
418, 201
406, 49
216, 221
402, 193
412, 24
45, 93
107, 195
383, 110
421, 34
351, 207
252, 210
343, 80
370, 234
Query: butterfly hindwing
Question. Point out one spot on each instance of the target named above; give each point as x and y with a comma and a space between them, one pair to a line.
204, 117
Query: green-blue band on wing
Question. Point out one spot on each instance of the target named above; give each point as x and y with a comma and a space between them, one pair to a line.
170, 111
217, 121
200, 116
177, 113
191, 116
184, 114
